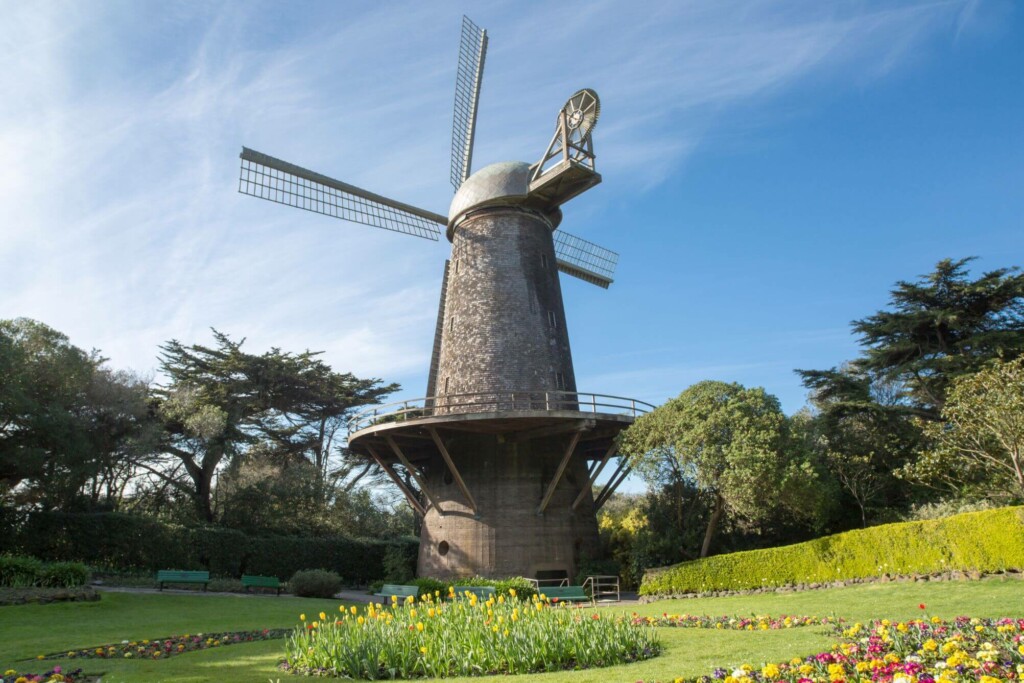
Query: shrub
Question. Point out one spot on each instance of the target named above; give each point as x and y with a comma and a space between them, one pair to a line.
524, 587
63, 575
429, 586
314, 583
987, 541
19, 572
400, 562
465, 638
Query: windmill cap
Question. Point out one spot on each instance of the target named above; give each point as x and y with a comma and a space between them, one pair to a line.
505, 183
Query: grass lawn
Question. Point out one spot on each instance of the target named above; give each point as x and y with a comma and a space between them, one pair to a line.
30, 630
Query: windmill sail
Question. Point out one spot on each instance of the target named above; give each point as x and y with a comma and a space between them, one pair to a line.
278, 181
472, 50
577, 257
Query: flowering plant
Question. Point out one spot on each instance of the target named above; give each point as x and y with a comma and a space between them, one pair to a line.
466, 636
752, 623
914, 651
160, 648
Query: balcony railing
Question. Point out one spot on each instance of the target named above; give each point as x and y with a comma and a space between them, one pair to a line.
491, 401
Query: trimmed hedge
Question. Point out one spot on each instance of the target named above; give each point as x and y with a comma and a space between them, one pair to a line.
112, 540
986, 541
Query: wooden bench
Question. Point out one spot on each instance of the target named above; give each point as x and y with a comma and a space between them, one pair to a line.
250, 581
399, 591
565, 594
174, 576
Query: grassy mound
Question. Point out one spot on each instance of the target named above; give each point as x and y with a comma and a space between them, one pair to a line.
987, 541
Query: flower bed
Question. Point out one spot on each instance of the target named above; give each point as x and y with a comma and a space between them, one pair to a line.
753, 623
915, 651
161, 648
54, 675
465, 637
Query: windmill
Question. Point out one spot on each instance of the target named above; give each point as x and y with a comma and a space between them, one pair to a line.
504, 450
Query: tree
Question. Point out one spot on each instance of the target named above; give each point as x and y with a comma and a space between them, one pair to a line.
727, 439
862, 433
66, 421
980, 442
942, 327
220, 401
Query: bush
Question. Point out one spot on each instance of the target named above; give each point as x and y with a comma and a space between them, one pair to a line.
987, 541
429, 586
314, 583
524, 587
400, 562
63, 575
27, 572
19, 572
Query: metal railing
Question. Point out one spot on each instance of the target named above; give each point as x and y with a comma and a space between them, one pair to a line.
491, 401
602, 588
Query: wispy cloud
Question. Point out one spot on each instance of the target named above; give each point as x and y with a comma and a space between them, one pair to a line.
120, 127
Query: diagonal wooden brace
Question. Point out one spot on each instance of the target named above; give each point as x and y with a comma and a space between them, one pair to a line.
414, 472
451, 468
558, 474
416, 505
594, 475
619, 476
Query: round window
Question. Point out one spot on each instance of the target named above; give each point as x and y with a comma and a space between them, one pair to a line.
442, 548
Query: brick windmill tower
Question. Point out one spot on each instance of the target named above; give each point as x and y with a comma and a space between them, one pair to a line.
503, 449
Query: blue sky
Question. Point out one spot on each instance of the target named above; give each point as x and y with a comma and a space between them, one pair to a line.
770, 170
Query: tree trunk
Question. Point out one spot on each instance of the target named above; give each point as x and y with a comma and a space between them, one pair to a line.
716, 517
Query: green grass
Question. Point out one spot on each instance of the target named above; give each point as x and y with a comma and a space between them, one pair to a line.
30, 630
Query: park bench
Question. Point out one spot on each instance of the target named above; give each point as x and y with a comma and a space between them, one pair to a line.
481, 592
399, 591
565, 594
174, 576
250, 581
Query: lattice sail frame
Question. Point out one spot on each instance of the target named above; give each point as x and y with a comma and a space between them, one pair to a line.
472, 51
585, 260
266, 177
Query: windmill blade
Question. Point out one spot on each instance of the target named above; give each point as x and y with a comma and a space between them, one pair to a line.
472, 50
278, 181
577, 257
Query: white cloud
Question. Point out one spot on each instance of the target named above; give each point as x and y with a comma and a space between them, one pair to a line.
121, 124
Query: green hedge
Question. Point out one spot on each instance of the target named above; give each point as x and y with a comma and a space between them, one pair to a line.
122, 542
27, 572
986, 541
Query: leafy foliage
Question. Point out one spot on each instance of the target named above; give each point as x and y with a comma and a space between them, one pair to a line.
728, 440
979, 444
23, 572
314, 583
992, 540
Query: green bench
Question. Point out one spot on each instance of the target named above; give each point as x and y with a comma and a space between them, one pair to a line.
481, 592
399, 591
250, 581
174, 576
565, 594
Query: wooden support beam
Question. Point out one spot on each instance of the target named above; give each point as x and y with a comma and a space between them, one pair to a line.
558, 474
451, 468
621, 472
415, 475
595, 472
416, 505
552, 430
